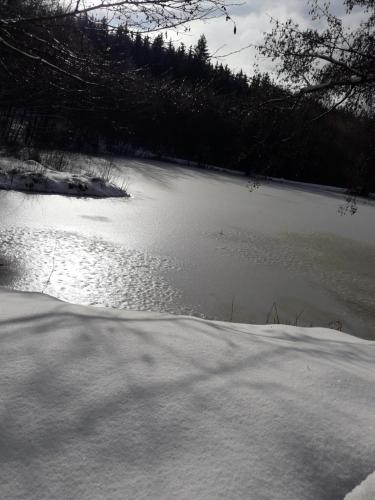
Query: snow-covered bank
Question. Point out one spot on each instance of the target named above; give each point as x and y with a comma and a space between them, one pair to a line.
102, 403
32, 176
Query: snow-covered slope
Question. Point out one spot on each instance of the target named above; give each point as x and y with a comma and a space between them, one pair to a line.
59, 183
33, 177
105, 404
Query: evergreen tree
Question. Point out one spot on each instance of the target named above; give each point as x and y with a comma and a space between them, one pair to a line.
201, 50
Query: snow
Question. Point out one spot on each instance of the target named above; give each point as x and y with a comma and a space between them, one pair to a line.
32, 176
101, 403
364, 491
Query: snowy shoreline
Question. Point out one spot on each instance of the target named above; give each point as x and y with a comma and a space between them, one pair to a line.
103, 403
34, 177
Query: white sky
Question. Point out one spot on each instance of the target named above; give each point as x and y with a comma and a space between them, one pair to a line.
253, 20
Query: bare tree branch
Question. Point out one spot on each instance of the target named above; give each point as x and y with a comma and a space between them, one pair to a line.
46, 63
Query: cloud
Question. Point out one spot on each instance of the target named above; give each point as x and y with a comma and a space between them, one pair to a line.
253, 19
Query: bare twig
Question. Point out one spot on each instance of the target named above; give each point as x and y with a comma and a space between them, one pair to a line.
53, 267
232, 310
45, 63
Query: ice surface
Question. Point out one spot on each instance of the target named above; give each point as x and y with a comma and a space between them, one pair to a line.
277, 244
100, 403
86, 270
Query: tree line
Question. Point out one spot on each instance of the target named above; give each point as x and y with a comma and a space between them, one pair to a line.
78, 82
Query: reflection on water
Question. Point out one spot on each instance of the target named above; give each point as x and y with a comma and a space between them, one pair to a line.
85, 270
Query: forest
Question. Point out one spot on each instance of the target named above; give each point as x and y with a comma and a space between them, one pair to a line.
81, 83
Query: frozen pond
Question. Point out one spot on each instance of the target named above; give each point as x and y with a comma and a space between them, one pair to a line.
196, 242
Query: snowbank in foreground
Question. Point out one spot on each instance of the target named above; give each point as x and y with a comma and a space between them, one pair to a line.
100, 403
33, 177
364, 491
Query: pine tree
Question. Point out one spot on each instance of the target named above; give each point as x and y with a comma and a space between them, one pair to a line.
201, 50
